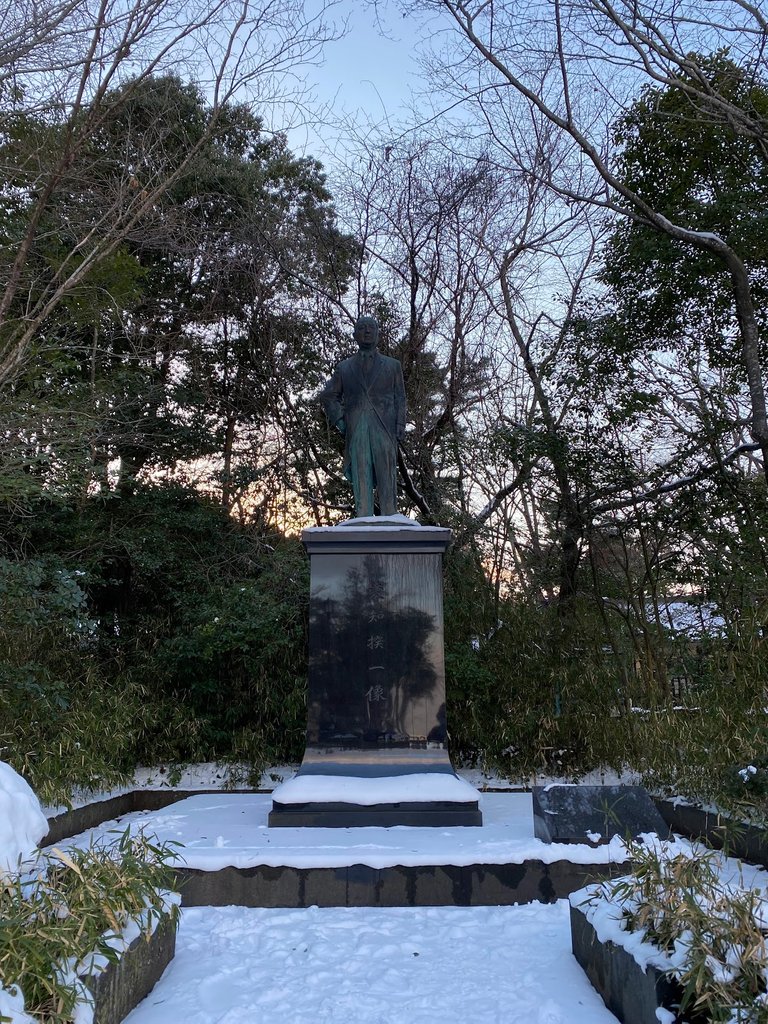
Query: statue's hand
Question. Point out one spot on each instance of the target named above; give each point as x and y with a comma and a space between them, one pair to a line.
341, 426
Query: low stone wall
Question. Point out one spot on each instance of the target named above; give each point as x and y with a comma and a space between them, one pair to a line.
474, 885
630, 993
123, 984
353, 886
79, 819
718, 830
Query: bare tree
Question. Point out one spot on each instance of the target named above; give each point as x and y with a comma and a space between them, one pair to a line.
472, 259
419, 211
576, 65
65, 69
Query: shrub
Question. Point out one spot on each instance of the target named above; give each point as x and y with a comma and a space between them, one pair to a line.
238, 662
709, 927
64, 721
75, 904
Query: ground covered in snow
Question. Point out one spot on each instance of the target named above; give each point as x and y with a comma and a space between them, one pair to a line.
365, 965
230, 829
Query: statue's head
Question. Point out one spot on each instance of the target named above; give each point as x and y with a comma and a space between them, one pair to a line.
367, 333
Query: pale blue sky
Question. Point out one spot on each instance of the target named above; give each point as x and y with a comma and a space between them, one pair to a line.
368, 75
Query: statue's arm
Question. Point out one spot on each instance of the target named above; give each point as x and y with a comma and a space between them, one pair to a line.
400, 402
332, 398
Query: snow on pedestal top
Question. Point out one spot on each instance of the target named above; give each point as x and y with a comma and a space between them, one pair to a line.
397, 522
418, 788
22, 822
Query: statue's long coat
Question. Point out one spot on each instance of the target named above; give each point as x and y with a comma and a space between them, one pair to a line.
372, 405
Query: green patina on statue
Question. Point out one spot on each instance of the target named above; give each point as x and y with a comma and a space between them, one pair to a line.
365, 400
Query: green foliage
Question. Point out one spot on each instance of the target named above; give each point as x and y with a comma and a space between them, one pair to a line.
709, 928
693, 166
238, 662
177, 341
530, 692
153, 628
727, 519
699, 751
54, 917
54, 698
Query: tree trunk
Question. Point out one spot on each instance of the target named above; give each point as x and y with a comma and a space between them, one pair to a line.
229, 442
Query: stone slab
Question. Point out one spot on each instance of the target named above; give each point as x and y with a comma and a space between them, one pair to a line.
123, 984
376, 534
595, 814
376, 664
629, 992
737, 838
375, 762
437, 814
359, 885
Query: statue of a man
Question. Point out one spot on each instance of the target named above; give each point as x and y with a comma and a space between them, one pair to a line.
365, 400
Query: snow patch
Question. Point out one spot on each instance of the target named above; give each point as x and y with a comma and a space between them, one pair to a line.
12, 1006
374, 965
417, 788
396, 522
226, 776
22, 822
606, 916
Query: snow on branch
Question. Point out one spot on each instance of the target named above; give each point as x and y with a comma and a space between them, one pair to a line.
674, 485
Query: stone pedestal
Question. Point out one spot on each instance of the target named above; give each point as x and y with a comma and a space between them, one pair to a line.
575, 814
376, 701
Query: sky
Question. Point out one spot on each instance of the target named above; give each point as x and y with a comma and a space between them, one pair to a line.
367, 77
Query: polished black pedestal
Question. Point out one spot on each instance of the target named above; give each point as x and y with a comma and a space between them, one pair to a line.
577, 814
439, 813
376, 701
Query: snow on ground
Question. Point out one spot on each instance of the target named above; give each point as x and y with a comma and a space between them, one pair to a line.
488, 780
222, 829
22, 822
222, 776
365, 965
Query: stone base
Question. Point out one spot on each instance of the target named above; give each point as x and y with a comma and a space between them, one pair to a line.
359, 885
594, 814
122, 985
631, 993
375, 762
343, 815
425, 798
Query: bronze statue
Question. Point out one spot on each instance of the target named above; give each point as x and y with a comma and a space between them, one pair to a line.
365, 400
